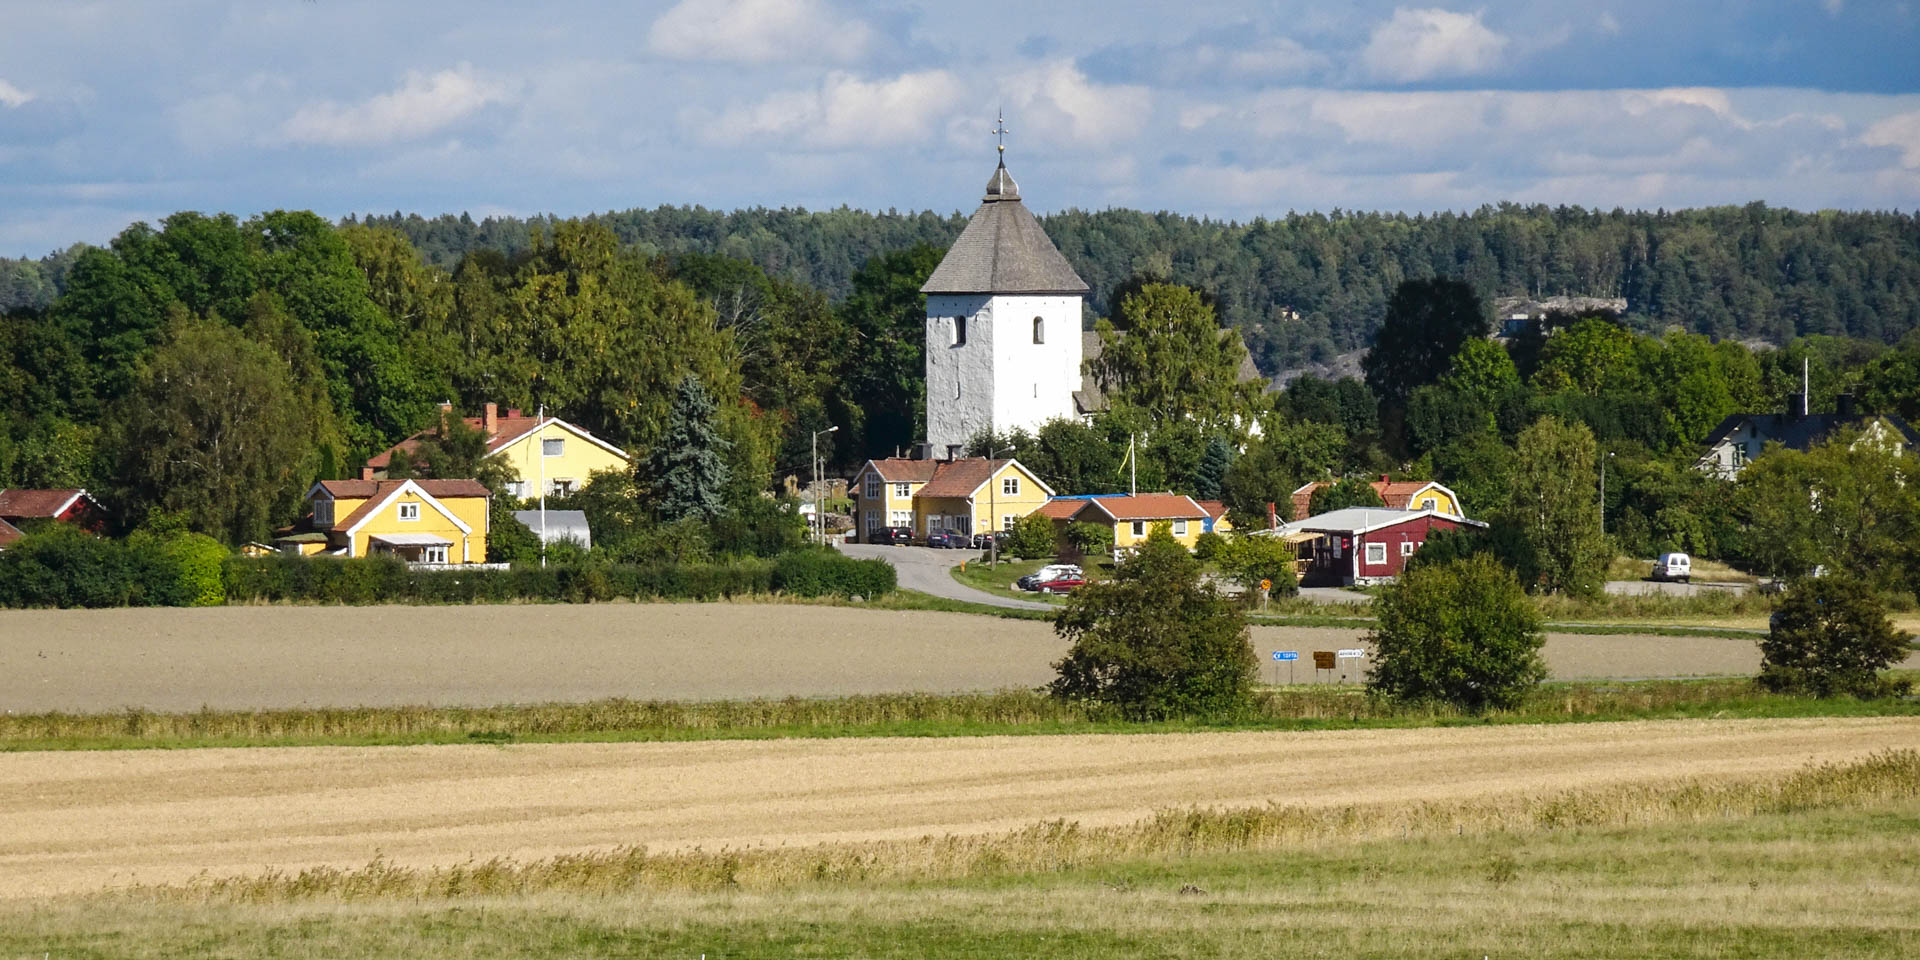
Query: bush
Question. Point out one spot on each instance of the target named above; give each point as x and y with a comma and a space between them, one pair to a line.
1091, 539
1032, 538
1155, 641
818, 573
1831, 636
63, 566
178, 569
1206, 546
1463, 633
1248, 560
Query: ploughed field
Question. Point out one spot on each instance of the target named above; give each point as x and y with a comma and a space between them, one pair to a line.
288, 656
88, 820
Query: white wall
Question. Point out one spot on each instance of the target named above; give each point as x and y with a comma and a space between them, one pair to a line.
1000, 378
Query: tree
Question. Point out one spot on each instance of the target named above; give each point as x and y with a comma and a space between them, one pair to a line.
1249, 560
1173, 363
1214, 464
1587, 357
1427, 323
509, 540
885, 316
456, 450
687, 475
1482, 371
1344, 493
1090, 538
212, 429
1831, 636
1032, 537
1554, 508
1462, 633
1155, 641
1285, 455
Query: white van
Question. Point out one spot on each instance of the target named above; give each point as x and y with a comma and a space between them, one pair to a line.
1673, 566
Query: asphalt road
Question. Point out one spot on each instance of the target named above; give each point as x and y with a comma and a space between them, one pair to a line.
930, 571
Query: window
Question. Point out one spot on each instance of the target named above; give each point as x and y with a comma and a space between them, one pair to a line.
873, 487
1428, 503
434, 555
1139, 528
517, 489
901, 518
959, 331
873, 520
1179, 528
1376, 554
1009, 486
409, 511
560, 488
1007, 522
902, 490
1406, 548
556, 447
323, 513
1039, 330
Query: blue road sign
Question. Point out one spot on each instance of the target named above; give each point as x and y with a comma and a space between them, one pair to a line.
1286, 654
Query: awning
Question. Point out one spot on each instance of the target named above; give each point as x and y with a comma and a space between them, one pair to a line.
411, 540
1301, 536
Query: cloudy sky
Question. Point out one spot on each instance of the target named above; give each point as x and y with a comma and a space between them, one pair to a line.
112, 112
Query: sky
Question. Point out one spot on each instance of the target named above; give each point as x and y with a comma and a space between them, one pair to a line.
114, 112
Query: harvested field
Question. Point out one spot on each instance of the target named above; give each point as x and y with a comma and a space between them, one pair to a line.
268, 657
83, 821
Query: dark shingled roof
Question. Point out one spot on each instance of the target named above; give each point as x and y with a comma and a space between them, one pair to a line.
1802, 432
1003, 250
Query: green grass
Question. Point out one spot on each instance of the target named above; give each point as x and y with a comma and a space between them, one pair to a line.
1817, 864
1011, 712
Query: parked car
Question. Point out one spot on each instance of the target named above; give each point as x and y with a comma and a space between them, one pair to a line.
946, 539
896, 536
1052, 571
1673, 567
980, 540
1061, 584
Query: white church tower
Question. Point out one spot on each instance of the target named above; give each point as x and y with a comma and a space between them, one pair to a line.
1003, 326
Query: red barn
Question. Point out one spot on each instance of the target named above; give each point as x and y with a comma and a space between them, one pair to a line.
1362, 545
18, 507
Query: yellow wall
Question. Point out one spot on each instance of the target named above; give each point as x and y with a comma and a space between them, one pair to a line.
990, 501
1123, 535
1441, 502
886, 504
471, 510
579, 459
928, 507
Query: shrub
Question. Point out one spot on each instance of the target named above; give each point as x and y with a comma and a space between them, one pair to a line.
1831, 636
178, 569
817, 573
1248, 560
1091, 539
1206, 546
1155, 641
1463, 633
1032, 538
63, 566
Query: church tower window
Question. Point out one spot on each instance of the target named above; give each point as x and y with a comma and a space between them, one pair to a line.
1039, 330
959, 331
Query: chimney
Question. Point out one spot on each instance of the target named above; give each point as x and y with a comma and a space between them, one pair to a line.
1796, 406
490, 420
1273, 517
366, 473
514, 413
1844, 405
1386, 478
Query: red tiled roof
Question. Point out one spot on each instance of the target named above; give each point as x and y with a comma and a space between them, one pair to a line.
506, 431
1395, 494
36, 503
9, 533
1060, 509
1150, 506
375, 490
1214, 508
903, 470
960, 478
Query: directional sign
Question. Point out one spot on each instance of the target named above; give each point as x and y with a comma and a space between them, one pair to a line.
1323, 660
1351, 654
1286, 654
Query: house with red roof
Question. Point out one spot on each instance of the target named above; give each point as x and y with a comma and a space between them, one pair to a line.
1394, 494
538, 448
1133, 517
970, 495
419, 521
24, 508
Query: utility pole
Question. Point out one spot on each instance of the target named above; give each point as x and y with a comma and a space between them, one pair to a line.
993, 512
819, 522
1603, 493
540, 421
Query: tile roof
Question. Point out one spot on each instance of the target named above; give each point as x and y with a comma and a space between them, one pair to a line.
506, 431
37, 503
438, 489
1396, 494
1060, 509
1150, 506
9, 533
1803, 432
1214, 508
904, 470
960, 478
1003, 250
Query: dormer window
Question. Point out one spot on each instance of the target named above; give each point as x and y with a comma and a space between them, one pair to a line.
1039, 330
409, 511
323, 512
959, 331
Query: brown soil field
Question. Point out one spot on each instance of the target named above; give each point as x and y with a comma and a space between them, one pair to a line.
81, 821
265, 657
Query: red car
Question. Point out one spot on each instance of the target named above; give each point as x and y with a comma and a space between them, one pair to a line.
1060, 584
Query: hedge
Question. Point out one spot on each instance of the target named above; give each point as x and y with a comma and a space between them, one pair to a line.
67, 567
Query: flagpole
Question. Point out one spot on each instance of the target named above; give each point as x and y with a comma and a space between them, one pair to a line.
540, 418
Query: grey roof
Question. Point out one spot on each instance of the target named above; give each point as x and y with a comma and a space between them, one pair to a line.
1004, 250
1802, 432
1353, 520
561, 525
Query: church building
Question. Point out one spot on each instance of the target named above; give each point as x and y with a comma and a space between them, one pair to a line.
1003, 326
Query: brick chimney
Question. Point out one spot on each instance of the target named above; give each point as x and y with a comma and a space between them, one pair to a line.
1386, 478
366, 473
490, 420
1273, 516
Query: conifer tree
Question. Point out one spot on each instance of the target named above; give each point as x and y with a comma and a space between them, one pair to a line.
688, 468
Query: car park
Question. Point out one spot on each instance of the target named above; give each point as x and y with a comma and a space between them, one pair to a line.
1676, 567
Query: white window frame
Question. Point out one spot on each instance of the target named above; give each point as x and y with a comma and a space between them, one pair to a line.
1179, 528
1429, 503
553, 446
1139, 528
409, 512
1382, 548
1008, 520
1009, 486
903, 491
434, 554
901, 518
873, 520
873, 486
517, 489
1407, 548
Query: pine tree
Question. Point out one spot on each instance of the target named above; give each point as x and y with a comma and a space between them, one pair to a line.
688, 468
1212, 474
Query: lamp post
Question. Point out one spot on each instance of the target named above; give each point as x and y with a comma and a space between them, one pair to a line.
819, 522
1603, 493
993, 512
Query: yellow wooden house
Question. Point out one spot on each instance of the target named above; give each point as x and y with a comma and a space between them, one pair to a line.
1413, 495
970, 495
419, 521
536, 447
1132, 518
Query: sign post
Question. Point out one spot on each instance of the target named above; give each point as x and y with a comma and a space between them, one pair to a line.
1322, 660
1351, 653
1266, 586
1287, 656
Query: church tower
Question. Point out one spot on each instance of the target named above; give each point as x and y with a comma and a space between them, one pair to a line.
1003, 325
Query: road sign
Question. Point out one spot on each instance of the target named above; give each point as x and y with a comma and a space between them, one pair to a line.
1266, 585
1323, 659
1286, 654
1351, 654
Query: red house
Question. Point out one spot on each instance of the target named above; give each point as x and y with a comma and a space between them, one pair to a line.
1363, 545
20, 507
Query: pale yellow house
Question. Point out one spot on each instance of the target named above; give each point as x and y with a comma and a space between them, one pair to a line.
537, 448
970, 495
1415, 495
1133, 518
420, 521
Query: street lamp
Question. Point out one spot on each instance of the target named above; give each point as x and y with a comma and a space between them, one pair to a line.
819, 522
993, 512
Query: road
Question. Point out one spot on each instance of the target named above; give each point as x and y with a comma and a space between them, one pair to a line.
930, 571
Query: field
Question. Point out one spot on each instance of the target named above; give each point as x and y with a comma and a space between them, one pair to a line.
255, 657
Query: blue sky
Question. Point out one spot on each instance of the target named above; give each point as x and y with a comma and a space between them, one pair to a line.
112, 112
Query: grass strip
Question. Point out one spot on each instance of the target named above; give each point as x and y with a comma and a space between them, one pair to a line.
1007, 712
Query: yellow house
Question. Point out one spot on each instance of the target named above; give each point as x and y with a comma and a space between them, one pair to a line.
535, 447
1133, 517
971, 495
420, 521
1413, 495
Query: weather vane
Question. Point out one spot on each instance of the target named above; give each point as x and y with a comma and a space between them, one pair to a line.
1000, 130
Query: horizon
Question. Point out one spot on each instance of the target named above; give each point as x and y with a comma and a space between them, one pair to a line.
111, 114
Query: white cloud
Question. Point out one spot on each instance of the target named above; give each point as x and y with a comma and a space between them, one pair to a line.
1607, 24
1425, 44
843, 111
759, 31
422, 105
1902, 131
13, 96
1833, 7
1059, 99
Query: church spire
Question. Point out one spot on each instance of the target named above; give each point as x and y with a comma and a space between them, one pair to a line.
1001, 187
